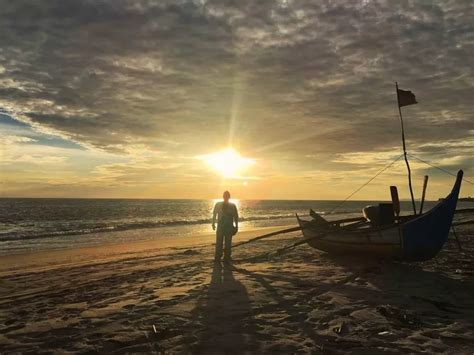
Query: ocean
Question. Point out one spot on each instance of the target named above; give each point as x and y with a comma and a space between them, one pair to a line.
45, 224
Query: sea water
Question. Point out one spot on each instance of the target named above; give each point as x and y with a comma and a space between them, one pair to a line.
42, 224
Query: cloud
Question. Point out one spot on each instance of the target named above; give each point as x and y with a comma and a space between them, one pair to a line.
17, 139
279, 80
14, 151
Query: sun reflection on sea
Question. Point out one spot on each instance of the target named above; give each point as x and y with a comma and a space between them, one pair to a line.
232, 200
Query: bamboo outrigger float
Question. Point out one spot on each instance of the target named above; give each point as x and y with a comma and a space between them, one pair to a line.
412, 238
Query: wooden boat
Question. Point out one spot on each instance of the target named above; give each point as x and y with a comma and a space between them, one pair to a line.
382, 232
412, 238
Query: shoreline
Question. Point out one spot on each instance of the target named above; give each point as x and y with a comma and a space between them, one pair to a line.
51, 242
41, 260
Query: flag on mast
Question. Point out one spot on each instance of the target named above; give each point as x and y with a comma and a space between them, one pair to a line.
406, 98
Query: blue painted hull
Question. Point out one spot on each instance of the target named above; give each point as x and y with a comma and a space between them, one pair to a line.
425, 236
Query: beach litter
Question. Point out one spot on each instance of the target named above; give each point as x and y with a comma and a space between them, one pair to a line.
338, 329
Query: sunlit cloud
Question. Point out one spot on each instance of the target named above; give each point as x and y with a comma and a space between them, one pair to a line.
305, 87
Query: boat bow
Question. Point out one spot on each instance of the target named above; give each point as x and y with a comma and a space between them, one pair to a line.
425, 235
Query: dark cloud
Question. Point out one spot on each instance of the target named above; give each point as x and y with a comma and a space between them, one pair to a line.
319, 75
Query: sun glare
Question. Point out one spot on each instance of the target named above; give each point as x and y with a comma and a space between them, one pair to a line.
232, 200
228, 163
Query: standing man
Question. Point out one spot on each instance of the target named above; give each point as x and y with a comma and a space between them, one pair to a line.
227, 215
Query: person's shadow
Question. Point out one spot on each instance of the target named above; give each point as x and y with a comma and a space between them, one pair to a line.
224, 315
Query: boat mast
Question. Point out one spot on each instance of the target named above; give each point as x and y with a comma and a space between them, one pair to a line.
405, 151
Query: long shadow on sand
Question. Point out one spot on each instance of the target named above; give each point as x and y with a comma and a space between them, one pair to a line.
411, 287
407, 296
225, 315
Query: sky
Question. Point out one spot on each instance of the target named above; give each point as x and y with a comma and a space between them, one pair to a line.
135, 99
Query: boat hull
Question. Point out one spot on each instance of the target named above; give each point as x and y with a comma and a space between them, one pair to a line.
419, 238
382, 243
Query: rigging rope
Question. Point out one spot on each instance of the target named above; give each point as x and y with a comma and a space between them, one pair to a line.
302, 241
368, 182
388, 166
437, 167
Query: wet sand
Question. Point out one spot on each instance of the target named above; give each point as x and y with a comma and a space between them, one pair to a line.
170, 297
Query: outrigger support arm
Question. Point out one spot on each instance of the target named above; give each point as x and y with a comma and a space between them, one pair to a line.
334, 223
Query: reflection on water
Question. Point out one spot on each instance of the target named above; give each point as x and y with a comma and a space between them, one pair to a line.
232, 200
27, 224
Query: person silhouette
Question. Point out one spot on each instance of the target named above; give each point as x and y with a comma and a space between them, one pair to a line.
227, 214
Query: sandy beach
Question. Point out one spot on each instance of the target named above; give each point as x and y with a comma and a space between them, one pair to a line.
138, 135
170, 297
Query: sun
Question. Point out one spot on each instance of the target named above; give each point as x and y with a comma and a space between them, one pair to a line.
228, 163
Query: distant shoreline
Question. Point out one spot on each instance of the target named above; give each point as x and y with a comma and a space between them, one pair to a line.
461, 199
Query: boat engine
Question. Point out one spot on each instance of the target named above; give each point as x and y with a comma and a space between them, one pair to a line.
380, 215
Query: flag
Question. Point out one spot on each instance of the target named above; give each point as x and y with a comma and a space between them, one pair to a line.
406, 98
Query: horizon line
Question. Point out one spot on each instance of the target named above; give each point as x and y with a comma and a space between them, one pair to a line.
194, 199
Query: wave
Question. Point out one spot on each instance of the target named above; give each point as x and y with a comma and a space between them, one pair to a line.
116, 227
